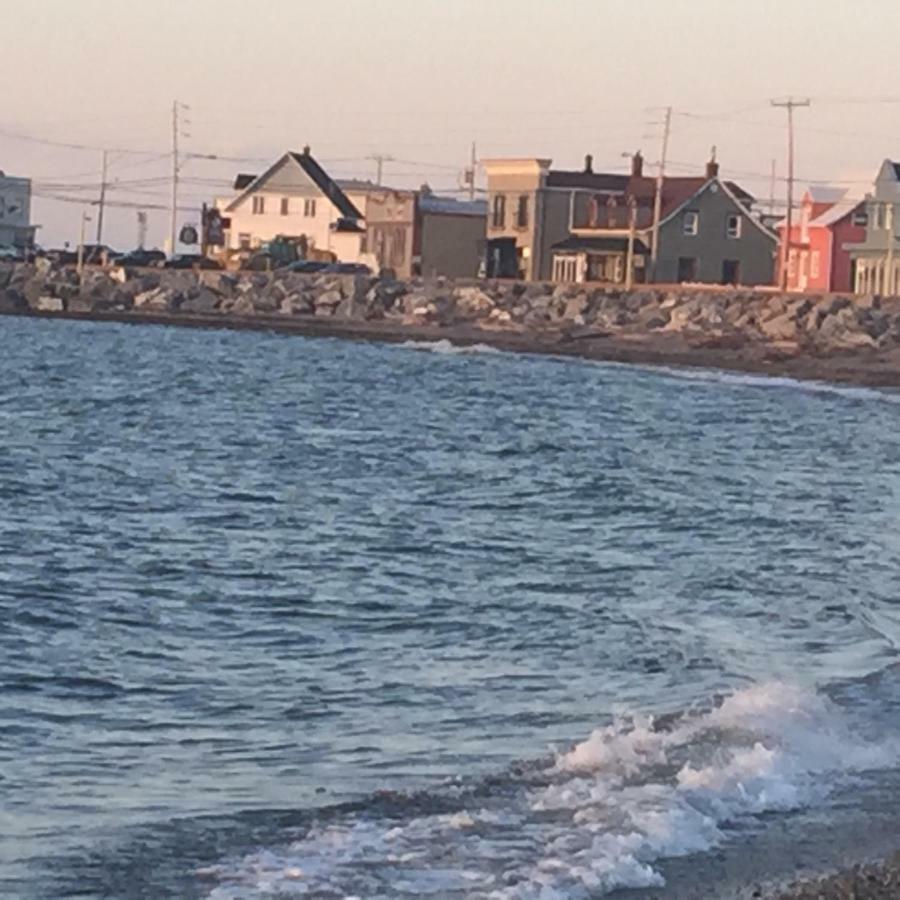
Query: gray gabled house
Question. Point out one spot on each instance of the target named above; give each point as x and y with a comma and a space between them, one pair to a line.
708, 233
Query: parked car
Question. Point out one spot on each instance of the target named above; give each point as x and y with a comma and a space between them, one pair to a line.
346, 269
191, 261
307, 266
141, 257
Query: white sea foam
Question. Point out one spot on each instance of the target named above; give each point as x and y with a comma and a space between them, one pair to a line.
447, 348
742, 379
600, 816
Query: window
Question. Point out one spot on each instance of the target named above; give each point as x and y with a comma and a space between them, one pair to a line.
814, 264
285, 206
565, 269
244, 241
522, 212
498, 216
309, 207
792, 264
879, 217
259, 205
733, 227
691, 222
861, 218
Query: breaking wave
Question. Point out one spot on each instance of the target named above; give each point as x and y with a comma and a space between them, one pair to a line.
448, 348
584, 821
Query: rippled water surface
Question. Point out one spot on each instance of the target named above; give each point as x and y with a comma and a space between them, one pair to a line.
289, 617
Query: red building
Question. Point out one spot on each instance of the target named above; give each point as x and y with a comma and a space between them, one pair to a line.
827, 223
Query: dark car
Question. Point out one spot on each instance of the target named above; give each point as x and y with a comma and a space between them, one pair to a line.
307, 266
140, 257
191, 261
346, 269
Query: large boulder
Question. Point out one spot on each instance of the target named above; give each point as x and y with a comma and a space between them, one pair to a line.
327, 302
12, 301
200, 301
779, 328
473, 302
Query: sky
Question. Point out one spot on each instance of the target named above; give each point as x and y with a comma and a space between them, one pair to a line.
420, 80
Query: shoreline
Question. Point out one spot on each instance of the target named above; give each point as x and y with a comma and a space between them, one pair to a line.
862, 367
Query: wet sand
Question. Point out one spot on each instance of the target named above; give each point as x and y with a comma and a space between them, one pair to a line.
868, 367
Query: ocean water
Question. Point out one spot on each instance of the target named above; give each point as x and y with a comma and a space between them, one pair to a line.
301, 618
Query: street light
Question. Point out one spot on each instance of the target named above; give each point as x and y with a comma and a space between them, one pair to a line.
85, 218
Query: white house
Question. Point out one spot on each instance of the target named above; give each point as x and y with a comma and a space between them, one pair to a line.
295, 198
16, 229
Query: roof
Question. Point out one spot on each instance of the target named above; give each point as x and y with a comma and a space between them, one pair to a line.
608, 244
595, 181
825, 194
243, 180
896, 170
451, 207
326, 184
837, 212
348, 225
736, 198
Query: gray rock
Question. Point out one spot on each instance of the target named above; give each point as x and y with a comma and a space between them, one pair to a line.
11, 301
201, 301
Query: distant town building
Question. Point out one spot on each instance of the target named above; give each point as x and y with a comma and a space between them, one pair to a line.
294, 198
450, 236
390, 224
575, 226
16, 229
829, 222
876, 257
404, 231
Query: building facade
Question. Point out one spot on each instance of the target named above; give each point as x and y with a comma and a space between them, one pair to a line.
876, 258
707, 234
529, 209
818, 259
451, 236
16, 229
295, 199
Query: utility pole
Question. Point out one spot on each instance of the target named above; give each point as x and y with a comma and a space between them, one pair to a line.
470, 172
380, 159
629, 257
772, 190
142, 229
657, 199
790, 105
175, 173
101, 203
79, 268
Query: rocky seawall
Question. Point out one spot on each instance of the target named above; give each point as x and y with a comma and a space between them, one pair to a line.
823, 336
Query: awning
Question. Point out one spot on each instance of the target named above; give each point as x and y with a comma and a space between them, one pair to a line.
599, 245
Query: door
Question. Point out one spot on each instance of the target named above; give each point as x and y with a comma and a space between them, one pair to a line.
687, 269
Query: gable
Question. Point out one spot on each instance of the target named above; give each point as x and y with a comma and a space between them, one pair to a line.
717, 196
297, 174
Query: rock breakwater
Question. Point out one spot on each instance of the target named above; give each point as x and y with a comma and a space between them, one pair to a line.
701, 316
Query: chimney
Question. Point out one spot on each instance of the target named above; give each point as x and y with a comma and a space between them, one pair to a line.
712, 167
637, 165
306, 150
588, 164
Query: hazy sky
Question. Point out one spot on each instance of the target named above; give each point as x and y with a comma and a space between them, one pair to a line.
422, 79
